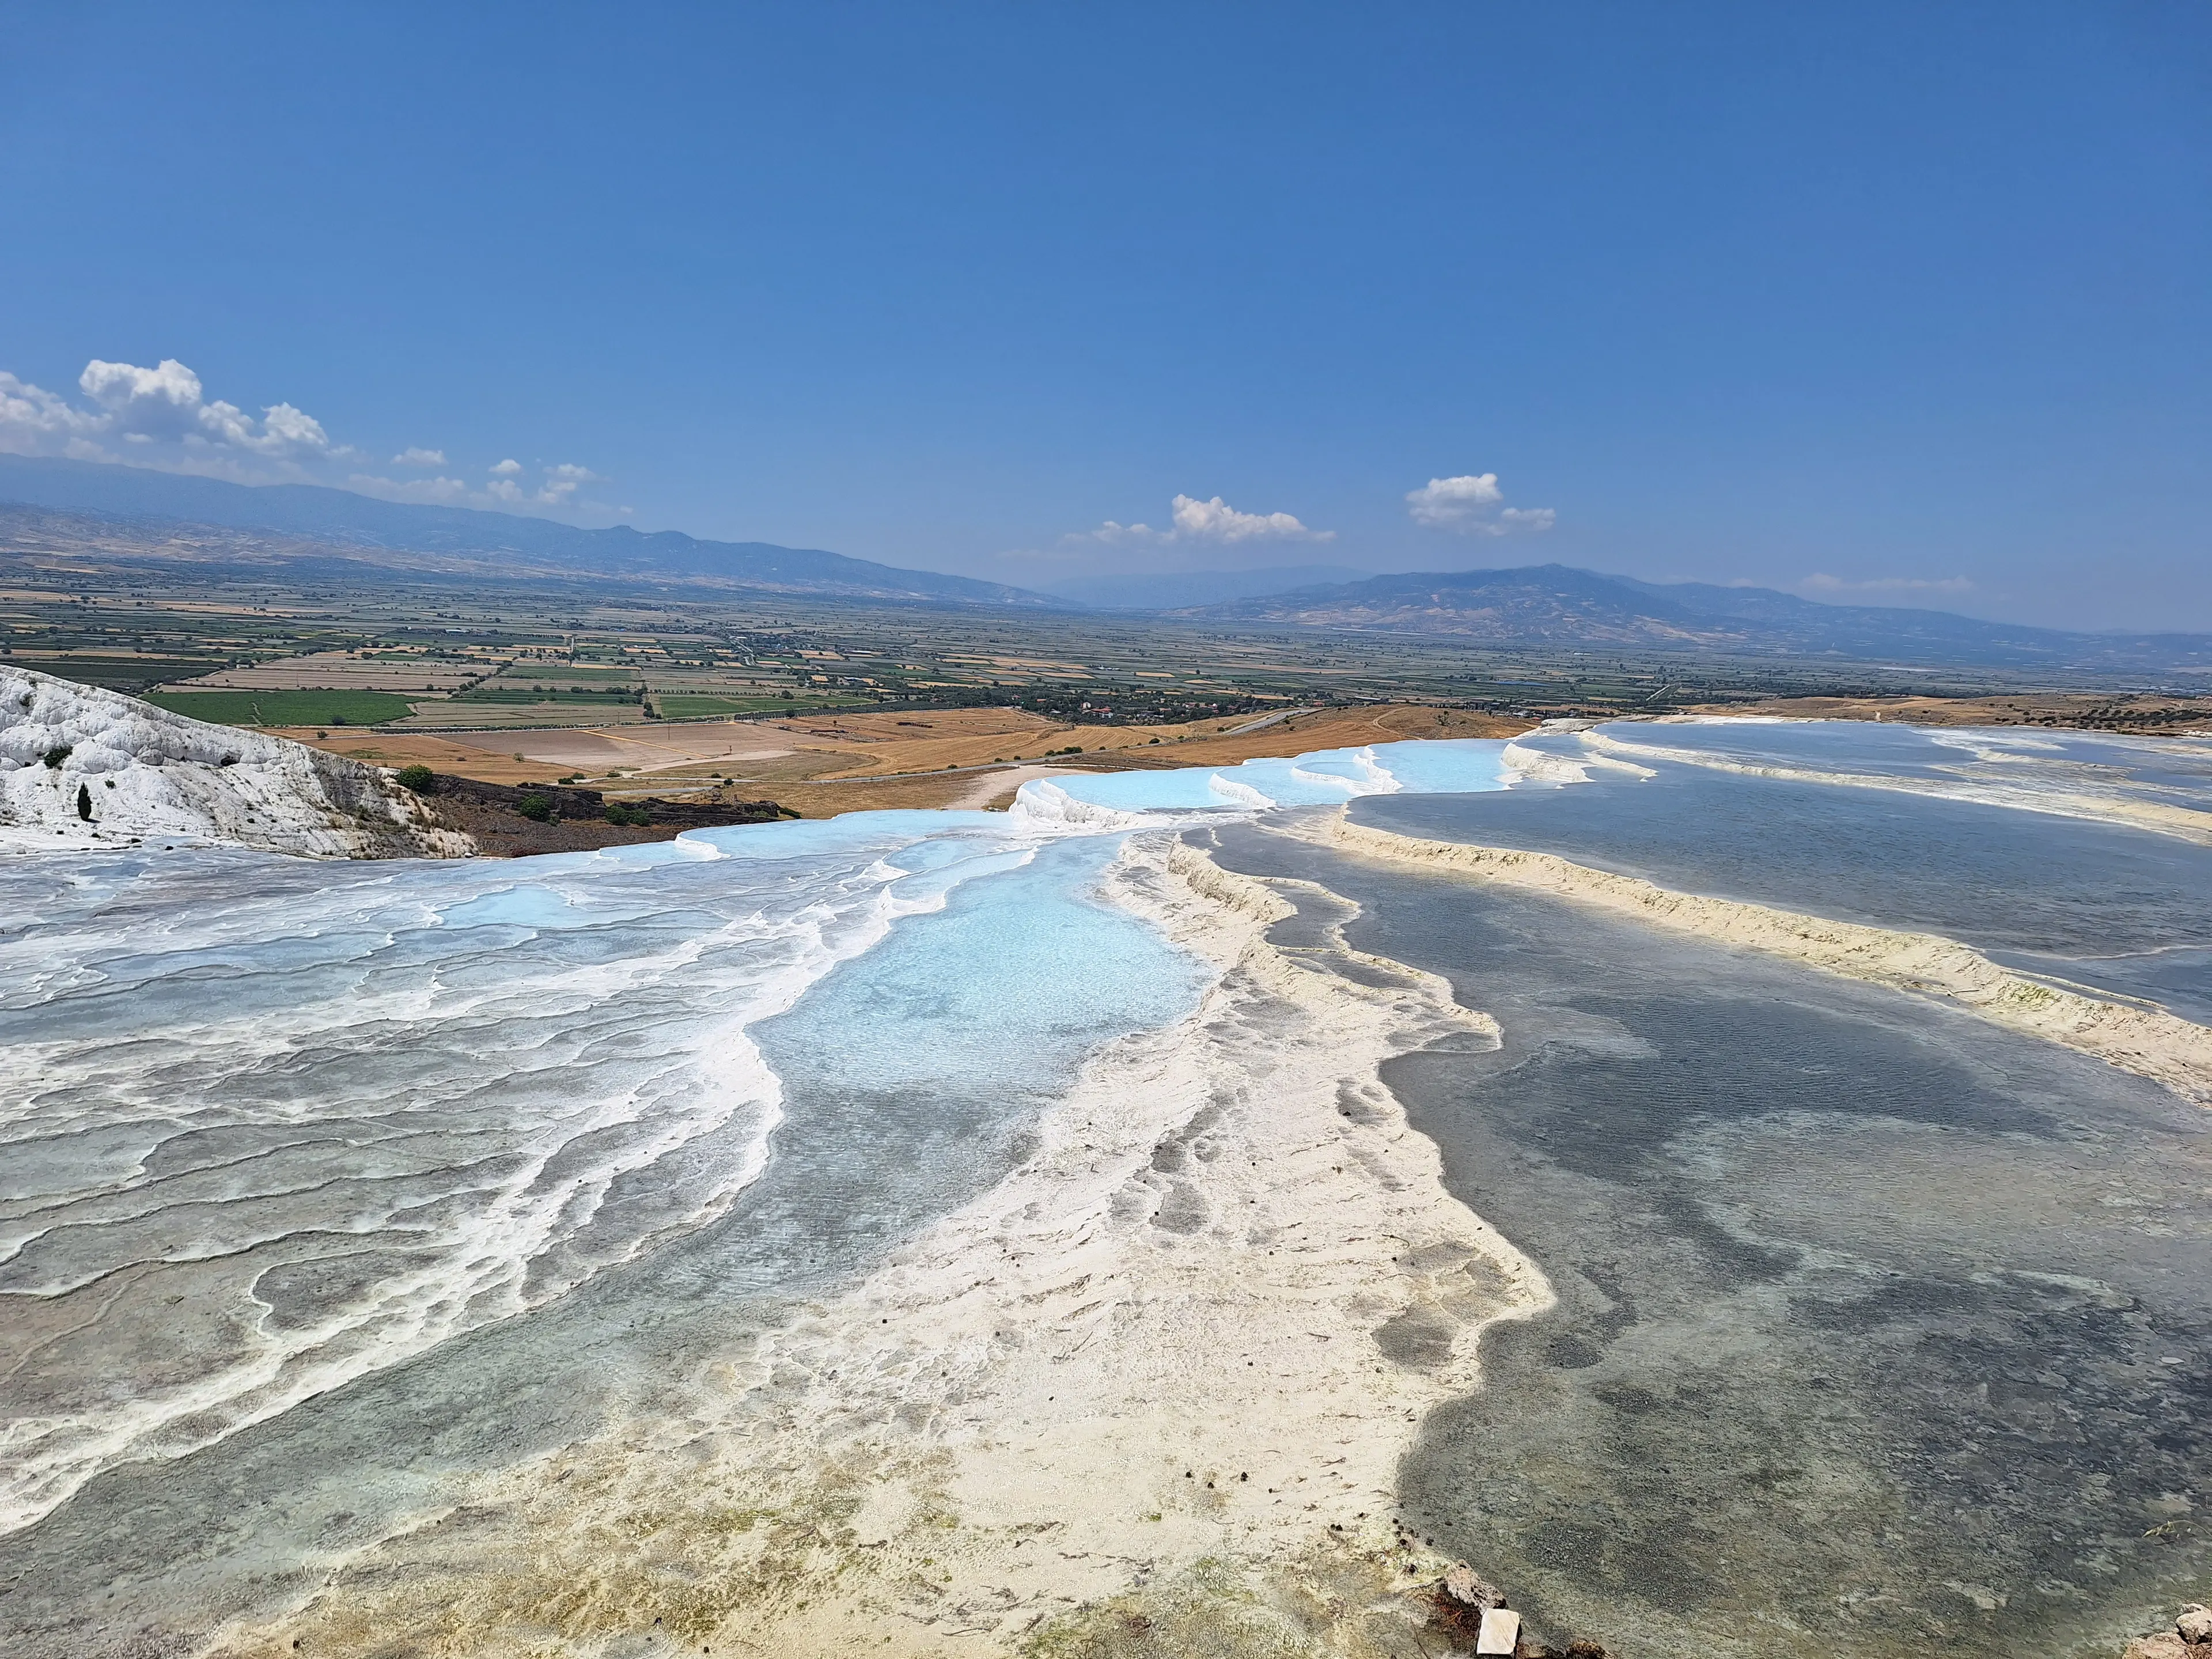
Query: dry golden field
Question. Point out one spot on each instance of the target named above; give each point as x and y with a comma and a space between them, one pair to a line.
822, 765
2142, 713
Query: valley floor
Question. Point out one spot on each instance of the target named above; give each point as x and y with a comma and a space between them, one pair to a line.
821, 765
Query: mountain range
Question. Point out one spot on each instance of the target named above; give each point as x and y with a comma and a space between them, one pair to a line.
1171, 590
136, 512
1557, 607
511, 543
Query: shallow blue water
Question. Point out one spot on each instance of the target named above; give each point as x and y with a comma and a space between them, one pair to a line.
289, 1125
1880, 1331
2171, 770
1007, 989
1326, 777
343, 1114
2105, 905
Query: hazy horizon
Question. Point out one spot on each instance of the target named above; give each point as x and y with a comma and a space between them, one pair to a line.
1895, 307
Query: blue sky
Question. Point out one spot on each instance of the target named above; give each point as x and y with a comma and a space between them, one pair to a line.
1904, 304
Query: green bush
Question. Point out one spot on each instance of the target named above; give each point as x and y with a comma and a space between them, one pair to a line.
419, 778
536, 808
55, 755
635, 818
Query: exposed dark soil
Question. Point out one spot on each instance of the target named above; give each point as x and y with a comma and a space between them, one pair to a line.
576, 820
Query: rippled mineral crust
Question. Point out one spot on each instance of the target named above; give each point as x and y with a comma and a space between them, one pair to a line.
1147, 1395
2149, 1042
81, 768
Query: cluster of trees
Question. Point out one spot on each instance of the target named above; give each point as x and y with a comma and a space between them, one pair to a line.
1120, 705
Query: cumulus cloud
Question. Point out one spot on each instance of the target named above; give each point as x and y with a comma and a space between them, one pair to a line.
36, 422
1473, 505
1218, 521
1193, 520
162, 418
558, 488
440, 492
167, 403
562, 481
1526, 517
1821, 583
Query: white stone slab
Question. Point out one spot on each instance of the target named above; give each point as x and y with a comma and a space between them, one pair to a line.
1501, 1629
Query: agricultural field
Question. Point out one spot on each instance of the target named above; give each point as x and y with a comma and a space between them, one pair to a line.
417, 670
689, 681
325, 708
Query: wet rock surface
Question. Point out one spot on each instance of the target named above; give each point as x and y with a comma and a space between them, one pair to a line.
1878, 1332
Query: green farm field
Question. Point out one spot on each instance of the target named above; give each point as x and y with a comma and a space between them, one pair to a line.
284, 708
690, 705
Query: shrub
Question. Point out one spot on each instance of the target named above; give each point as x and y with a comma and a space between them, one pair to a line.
55, 755
419, 778
536, 808
629, 816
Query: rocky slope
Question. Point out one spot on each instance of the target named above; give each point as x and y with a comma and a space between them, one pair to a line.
80, 767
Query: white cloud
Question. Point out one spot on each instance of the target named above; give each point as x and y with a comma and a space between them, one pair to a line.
1821, 583
36, 422
1473, 505
166, 403
561, 482
1193, 520
1218, 521
559, 488
162, 418
438, 491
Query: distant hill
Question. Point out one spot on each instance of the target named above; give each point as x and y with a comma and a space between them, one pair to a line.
1554, 606
340, 518
1175, 590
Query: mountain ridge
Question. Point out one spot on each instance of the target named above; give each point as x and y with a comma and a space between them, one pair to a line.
1528, 607
343, 518
1562, 607
1170, 590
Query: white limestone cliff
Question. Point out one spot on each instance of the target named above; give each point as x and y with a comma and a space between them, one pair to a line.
80, 767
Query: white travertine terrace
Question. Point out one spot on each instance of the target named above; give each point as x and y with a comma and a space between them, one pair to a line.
81, 768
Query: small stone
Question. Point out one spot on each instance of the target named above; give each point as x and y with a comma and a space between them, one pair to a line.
2164, 1645
1501, 1631
2195, 1623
